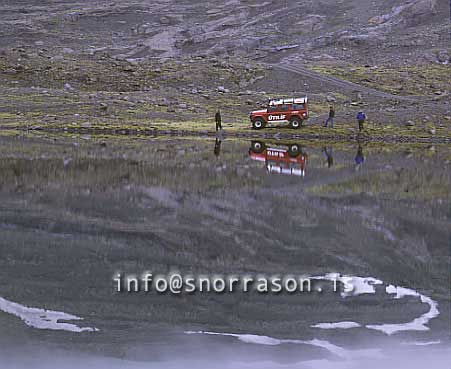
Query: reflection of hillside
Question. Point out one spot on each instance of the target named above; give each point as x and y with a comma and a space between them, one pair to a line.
102, 174
420, 183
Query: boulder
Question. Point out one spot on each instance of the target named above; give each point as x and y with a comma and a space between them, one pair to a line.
165, 20
223, 89
68, 87
378, 19
443, 57
330, 98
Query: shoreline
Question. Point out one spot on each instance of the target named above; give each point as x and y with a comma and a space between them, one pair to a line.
278, 135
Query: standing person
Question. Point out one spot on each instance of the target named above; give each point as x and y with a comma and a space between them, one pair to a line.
331, 118
218, 120
361, 117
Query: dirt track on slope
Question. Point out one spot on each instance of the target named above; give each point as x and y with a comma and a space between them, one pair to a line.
344, 84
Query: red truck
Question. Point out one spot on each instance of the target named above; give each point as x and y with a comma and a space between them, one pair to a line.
291, 110
280, 158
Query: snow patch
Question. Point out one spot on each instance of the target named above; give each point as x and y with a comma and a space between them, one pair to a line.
427, 343
354, 286
338, 325
418, 324
41, 318
269, 341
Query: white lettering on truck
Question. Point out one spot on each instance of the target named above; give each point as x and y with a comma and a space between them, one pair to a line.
277, 117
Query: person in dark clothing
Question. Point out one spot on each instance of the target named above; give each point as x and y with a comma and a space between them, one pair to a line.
329, 156
218, 120
361, 117
217, 149
331, 118
359, 158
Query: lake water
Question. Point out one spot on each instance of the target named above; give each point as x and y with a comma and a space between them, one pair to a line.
76, 211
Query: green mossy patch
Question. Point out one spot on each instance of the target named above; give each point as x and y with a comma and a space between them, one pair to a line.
427, 79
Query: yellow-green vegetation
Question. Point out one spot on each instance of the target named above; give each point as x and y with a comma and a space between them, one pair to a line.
413, 183
371, 148
76, 111
101, 73
128, 123
144, 165
7, 116
149, 163
112, 96
427, 79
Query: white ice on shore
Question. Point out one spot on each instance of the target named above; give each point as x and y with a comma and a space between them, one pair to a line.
427, 343
338, 325
418, 324
247, 338
270, 341
355, 286
41, 318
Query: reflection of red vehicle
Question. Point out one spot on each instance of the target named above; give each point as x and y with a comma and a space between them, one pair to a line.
284, 159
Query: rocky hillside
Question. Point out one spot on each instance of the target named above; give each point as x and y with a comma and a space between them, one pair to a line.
134, 63
270, 29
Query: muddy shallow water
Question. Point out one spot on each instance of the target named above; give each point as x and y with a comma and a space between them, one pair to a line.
75, 211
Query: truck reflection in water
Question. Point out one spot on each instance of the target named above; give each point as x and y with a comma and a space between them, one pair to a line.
280, 158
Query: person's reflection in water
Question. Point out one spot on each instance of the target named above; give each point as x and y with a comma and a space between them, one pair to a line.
359, 158
217, 149
329, 155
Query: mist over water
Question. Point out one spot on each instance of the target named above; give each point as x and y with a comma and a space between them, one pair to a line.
393, 357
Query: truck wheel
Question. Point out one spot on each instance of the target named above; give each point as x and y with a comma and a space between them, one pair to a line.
258, 123
295, 123
257, 147
294, 150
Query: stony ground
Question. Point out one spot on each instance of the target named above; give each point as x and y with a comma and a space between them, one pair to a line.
164, 66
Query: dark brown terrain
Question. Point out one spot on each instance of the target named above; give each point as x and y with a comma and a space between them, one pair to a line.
145, 64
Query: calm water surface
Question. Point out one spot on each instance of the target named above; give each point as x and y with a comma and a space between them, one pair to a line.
76, 211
